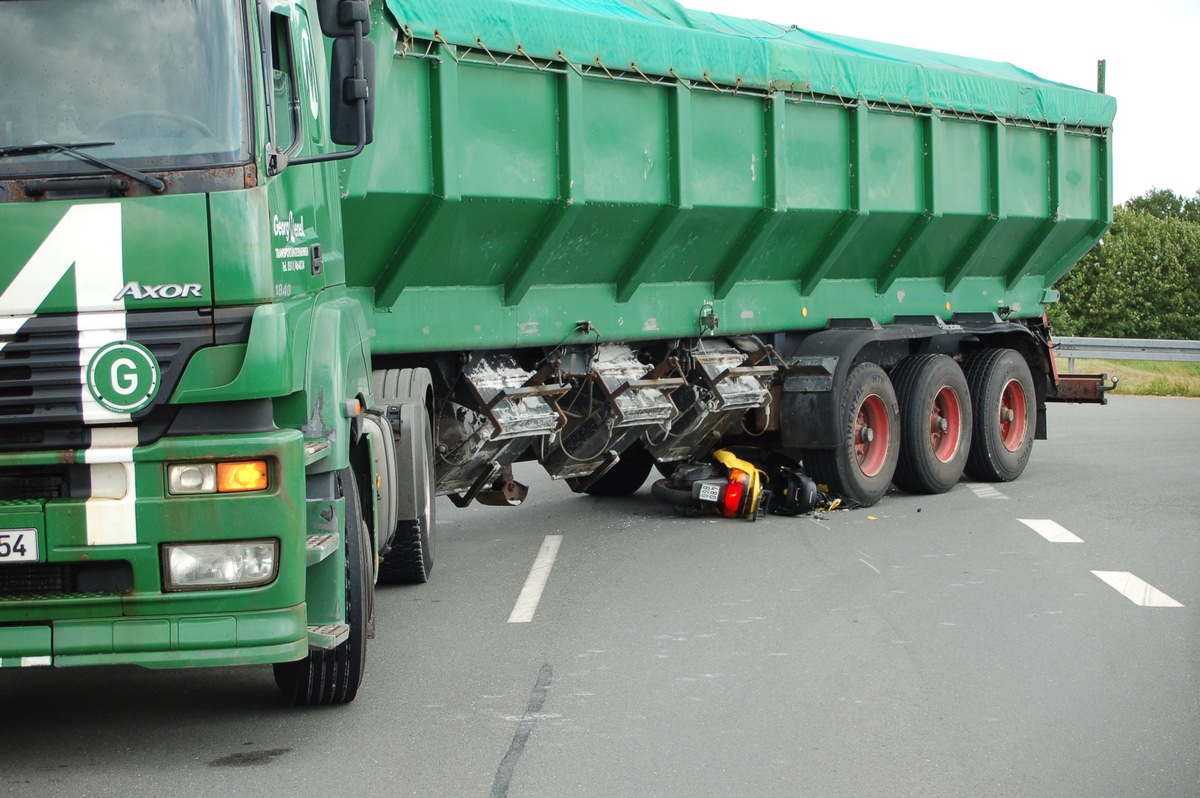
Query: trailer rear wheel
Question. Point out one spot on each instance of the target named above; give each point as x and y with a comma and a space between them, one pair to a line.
861, 467
935, 423
1003, 401
333, 677
624, 478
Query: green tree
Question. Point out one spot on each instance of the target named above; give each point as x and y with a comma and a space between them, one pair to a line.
1165, 204
1143, 280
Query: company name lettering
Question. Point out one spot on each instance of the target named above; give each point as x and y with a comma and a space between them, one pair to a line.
289, 228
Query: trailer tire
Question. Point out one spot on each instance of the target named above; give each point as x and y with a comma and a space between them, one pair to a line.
333, 677
1003, 403
410, 559
935, 423
867, 416
627, 476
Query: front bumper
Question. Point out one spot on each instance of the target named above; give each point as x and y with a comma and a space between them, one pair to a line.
240, 638
96, 593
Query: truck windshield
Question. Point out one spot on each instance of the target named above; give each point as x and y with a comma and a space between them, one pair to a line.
163, 80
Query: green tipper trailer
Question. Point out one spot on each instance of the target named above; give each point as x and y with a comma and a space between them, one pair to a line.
279, 273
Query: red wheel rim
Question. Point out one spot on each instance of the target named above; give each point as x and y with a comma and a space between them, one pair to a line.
1013, 415
945, 424
872, 432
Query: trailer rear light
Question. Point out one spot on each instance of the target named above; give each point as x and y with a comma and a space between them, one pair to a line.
229, 564
190, 479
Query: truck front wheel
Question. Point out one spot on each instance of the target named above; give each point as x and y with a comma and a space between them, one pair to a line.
333, 677
1003, 400
860, 468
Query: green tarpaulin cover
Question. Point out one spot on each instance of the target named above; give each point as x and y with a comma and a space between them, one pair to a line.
661, 36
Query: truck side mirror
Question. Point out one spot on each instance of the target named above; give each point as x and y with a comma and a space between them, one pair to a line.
338, 17
351, 77
346, 124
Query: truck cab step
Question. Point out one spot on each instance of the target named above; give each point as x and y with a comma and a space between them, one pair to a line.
328, 637
319, 547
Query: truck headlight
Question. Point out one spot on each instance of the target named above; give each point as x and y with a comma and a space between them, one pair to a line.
185, 479
205, 566
189, 479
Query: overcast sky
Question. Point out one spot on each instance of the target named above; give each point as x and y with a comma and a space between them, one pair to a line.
1152, 48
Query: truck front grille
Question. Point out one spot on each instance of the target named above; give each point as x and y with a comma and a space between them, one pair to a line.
23, 484
41, 380
60, 580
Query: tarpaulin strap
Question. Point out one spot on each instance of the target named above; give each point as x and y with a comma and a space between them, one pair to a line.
600, 64
536, 66
449, 47
479, 42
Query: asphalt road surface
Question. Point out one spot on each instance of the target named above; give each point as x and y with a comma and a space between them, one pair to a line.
1034, 638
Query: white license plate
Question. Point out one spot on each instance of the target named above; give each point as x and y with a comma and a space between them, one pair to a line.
710, 493
18, 545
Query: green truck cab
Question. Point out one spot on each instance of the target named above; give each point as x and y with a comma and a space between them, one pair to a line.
277, 273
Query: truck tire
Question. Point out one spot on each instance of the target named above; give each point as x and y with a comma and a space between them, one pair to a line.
935, 423
410, 559
410, 551
624, 478
333, 677
861, 467
1003, 401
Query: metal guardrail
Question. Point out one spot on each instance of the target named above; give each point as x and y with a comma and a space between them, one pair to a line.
1125, 349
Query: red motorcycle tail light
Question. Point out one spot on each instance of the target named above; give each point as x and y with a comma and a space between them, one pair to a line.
735, 493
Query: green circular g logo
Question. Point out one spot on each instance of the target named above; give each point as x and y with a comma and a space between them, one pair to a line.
123, 376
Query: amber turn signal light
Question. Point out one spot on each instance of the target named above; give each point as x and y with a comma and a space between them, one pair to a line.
241, 476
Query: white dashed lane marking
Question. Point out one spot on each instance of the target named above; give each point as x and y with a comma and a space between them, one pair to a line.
1131, 587
1051, 530
1136, 590
984, 491
531, 593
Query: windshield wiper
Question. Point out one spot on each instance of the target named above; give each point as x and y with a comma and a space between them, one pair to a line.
75, 151
41, 147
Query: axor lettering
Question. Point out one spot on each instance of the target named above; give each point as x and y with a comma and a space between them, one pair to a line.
136, 290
